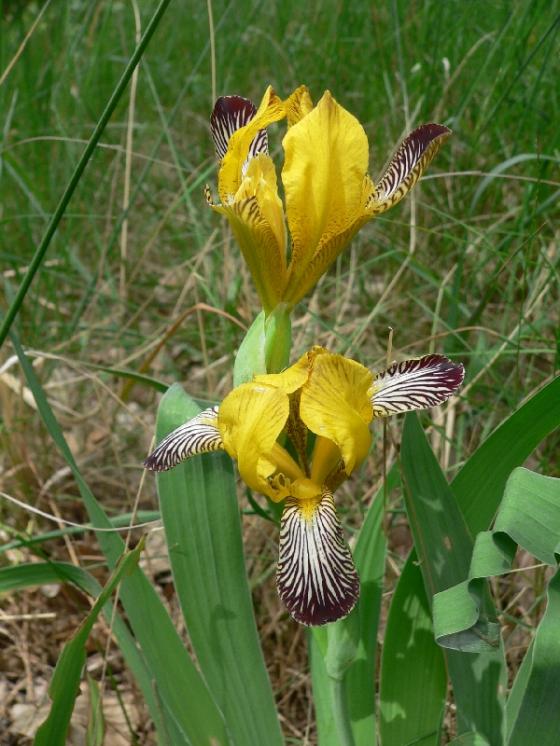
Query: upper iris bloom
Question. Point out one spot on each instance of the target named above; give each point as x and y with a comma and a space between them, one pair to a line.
328, 194
296, 436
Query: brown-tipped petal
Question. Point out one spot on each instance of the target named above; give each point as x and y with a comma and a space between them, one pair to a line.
230, 114
199, 435
316, 577
415, 384
413, 155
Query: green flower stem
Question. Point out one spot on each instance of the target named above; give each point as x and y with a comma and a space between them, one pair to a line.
78, 171
340, 712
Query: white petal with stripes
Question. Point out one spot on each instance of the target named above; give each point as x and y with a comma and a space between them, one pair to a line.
415, 384
199, 435
316, 577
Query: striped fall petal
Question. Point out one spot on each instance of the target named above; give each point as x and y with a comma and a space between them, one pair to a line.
199, 435
316, 577
412, 157
415, 384
230, 114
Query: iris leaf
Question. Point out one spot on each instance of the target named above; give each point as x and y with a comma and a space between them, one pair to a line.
201, 517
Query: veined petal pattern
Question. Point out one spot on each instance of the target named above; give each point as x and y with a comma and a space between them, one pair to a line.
316, 576
415, 384
199, 435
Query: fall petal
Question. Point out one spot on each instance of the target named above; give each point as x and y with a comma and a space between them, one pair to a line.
236, 158
412, 157
199, 435
316, 576
230, 114
415, 384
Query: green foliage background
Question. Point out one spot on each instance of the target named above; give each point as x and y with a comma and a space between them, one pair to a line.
153, 283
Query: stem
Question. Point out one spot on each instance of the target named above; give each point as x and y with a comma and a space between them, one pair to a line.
340, 713
78, 171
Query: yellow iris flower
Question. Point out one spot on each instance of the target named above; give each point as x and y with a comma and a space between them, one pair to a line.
328, 193
268, 426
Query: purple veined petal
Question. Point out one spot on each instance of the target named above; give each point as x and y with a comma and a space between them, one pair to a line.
415, 384
230, 114
199, 435
316, 577
407, 165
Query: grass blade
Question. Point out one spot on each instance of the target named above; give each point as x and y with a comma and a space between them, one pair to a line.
200, 514
65, 683
78, 171
19, 577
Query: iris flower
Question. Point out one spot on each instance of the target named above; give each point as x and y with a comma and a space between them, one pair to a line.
296, 436
328, 194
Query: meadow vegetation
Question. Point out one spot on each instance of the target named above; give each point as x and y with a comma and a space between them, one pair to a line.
143, 286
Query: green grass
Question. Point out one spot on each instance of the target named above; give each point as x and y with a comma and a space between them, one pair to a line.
476, 277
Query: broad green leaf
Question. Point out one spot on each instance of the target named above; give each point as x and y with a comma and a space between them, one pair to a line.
469, 739
194, 715
529, 516
478, 489
480, 484
200, 514
413, 677
536, 716
444, 545
355, 636
65, 683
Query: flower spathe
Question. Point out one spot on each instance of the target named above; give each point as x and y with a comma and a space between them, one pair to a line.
328, 193
333, 399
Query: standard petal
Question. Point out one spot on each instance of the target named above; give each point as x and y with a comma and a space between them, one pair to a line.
316, 577
335, 405
330, 246
235, 159
298, 105
413, 155
230, 113
326, 161
199, 435
296, 375
250, 420
415, 384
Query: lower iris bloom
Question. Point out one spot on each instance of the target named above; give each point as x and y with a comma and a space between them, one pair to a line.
296, 436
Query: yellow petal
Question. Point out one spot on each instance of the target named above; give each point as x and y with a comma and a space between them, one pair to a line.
256, 217
326, 160
300, 282
250, 419
298, 105
231, 169
296, 375
335, 405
